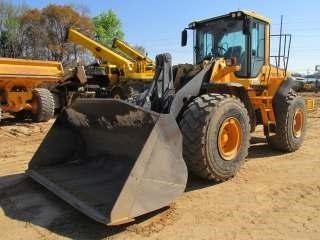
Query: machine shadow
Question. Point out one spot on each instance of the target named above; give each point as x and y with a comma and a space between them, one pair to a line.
260, 149
29, 202
195, 183
25, 200
10, 121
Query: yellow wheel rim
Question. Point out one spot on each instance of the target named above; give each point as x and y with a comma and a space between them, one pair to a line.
34, 105
229, 138
297, 125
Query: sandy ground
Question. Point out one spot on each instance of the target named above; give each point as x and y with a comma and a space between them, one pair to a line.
274, 196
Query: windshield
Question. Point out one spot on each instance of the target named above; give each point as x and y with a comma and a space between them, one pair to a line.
220, 38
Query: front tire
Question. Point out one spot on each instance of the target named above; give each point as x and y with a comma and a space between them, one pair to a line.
290, 124
216, 134
42, 105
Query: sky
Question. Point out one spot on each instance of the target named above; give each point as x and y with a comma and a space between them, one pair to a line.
157, 25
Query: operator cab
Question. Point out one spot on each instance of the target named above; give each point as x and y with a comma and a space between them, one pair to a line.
238, 36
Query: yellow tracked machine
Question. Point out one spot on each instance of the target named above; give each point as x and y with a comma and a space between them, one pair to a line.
114, 160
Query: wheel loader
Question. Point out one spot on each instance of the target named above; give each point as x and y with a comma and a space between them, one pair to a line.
115, 160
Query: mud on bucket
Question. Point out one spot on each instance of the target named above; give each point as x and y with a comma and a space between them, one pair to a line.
111, 160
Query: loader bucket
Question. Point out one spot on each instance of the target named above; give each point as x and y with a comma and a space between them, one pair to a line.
111, 160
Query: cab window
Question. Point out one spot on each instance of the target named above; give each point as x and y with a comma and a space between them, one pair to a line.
257, 47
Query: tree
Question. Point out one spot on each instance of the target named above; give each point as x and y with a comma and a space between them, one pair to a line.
108, 26
57, 20
44, 32
140, 49
41, 33
33, 34
10, 35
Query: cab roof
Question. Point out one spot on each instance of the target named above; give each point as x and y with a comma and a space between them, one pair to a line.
236, 13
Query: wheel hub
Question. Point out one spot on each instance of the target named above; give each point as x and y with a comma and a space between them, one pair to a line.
229, 138
297, 125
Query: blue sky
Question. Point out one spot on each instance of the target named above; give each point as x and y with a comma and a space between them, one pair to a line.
157, 25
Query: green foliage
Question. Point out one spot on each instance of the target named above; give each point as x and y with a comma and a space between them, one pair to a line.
41, 33
10, 36
108, 26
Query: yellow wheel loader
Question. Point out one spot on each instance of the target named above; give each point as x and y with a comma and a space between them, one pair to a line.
114, 160
21, 87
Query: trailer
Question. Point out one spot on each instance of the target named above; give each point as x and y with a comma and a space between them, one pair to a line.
23, 91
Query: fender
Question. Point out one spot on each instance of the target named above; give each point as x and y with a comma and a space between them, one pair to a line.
237, 90
279, 99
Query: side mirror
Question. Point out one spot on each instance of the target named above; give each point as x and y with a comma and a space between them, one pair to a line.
317, 68
184, 38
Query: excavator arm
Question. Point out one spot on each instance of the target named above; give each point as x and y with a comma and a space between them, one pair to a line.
130, 51
99, 50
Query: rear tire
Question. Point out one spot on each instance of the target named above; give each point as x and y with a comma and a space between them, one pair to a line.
202, 123
43, 105
290, 125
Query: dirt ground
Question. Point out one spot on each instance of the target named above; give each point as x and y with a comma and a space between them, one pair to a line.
274, 196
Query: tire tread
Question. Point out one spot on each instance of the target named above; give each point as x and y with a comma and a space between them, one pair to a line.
194, 135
